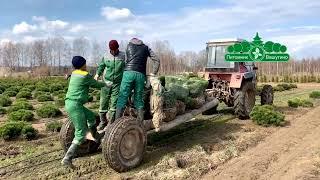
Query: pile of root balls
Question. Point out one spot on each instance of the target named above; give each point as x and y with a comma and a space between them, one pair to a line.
182, 92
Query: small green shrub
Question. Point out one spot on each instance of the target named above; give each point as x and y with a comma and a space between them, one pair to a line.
20, 104
24, 94
285, 86
2, 88
13, 88
57, 93
43, 88
56, 87
266, 115
5, 101
2, 111
292, 86
54, 126
25, 89
306, 103
10, 93
21, 115
38, 93
44, 97
11, 130
315, 94
59, 102
61, 96
48, 110
278, 88
296, 102
28, 132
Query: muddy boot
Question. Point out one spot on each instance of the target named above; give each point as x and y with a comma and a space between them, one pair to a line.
119, 113
103, 121
67, 160
140, 116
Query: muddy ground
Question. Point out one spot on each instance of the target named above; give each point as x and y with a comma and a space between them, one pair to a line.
212, 147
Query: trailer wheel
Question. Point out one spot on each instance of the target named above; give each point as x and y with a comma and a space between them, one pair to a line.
244, 100
67, 135
124, 144
267, 95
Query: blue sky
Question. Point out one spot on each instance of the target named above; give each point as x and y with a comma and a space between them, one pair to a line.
187, 25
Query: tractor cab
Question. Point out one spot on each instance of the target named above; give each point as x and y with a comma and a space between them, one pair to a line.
219, 69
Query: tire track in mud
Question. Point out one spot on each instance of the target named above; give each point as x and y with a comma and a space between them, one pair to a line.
280, 155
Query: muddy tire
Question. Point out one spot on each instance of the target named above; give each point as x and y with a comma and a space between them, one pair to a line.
124, 145
244, 100
266, 95
67, 135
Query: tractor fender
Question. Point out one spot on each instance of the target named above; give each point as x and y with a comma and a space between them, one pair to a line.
236, 80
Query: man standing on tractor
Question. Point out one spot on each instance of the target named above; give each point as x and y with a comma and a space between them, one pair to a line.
111, 67
134, 76
83, 119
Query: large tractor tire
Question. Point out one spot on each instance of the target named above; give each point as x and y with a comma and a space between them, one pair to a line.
124, 145
266, 95
244, 100
67, 135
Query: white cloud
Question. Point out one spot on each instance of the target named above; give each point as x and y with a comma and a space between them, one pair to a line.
112, 13
23, 27
47, 25
77, 28
130, 32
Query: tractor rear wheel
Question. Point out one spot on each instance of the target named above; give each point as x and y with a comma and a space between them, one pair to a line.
124, 145
67, 135
267, 95
244, 100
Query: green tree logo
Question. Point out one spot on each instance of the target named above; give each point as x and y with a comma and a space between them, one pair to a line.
257, 51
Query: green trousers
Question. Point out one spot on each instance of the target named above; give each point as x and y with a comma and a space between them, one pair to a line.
82, 118
132, 80
108, 99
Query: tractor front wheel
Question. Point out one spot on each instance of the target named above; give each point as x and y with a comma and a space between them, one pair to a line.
124, 145
244, 100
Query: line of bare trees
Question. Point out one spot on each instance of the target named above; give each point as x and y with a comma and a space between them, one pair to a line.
54, 54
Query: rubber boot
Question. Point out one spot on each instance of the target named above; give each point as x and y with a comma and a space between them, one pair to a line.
119, 113
103, 121
67, 160
140, 116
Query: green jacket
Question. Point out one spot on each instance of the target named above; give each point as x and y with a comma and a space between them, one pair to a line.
79, 84
112, 67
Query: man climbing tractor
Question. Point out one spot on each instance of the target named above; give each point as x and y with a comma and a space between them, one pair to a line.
134, 76
82, 118
111, 67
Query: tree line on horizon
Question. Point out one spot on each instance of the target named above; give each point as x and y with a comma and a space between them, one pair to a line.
54, 55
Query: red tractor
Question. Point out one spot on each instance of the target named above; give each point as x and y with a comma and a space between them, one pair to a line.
234, 83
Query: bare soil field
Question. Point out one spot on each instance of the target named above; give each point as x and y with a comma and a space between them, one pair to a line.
219, 146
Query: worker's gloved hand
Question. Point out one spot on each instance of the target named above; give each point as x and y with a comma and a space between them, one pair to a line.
109, 83
96, 77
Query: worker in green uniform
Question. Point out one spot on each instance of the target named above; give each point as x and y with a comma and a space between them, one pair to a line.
134, 76
111, 67
82, 118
